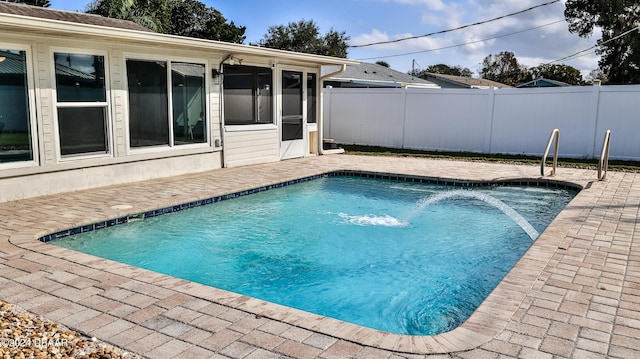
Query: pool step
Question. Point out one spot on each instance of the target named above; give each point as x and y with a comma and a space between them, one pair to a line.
329, 144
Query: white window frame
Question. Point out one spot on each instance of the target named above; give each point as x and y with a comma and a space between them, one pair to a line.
171, 146
106, 104
31, 100
306, 127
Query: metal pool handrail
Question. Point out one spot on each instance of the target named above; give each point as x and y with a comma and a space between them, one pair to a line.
554, 134
603, 164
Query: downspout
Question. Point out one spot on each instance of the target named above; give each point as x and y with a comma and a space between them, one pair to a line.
321, 119
220, 79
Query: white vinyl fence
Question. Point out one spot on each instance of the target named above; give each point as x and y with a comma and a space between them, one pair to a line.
507, 121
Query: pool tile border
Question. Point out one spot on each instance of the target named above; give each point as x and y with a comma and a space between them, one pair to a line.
340, 173
171, 209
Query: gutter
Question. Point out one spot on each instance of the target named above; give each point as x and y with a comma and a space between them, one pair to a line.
321, 97
220, 79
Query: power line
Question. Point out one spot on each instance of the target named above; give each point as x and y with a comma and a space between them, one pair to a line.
580, 53
457, 28
463, 44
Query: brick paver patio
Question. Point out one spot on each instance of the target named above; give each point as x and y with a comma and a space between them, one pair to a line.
575, 293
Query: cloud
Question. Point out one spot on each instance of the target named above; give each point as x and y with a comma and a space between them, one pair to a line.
543, 41
532, 61
416, 44
436, 5
374, 36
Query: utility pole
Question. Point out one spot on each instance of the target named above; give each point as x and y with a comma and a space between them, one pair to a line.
413, 68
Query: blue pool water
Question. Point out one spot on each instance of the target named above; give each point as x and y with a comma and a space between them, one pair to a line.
395, 256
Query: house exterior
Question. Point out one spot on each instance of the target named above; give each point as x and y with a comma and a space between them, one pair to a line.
368, 75
452, 81
87, 101
542, 82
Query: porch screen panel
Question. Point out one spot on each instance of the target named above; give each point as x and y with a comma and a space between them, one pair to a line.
15, 124
81, 104
292, 124
148, 103
264, 102
311, 98
248, 95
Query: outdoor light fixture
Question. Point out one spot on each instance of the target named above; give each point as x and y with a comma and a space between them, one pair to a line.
229, 60
232, 60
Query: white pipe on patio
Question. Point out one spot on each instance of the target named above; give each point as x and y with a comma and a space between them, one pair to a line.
321, 100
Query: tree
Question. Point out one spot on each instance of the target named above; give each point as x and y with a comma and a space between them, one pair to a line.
177, 17
503, 68
620, 56
449, 70
41, 3
193, 19
153, 14
304, 36
558, 72
596, 75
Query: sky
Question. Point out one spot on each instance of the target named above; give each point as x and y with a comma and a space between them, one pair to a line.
542, 37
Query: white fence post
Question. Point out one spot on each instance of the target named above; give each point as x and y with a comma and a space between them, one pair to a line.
488, 132
327, 104
596, 105
404, 115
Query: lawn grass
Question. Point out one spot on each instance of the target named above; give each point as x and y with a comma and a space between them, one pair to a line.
8, 139
614, 165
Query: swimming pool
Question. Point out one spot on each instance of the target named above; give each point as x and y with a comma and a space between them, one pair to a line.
383, 254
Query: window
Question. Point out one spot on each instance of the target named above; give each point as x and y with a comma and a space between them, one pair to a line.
247, 95
188, 103
148, 103
15, 124
81, 104
149, 121
311, 98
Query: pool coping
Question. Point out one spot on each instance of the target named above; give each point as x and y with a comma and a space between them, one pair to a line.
487, 321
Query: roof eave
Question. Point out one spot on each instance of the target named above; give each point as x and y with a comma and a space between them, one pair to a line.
55, 27
452, 82
365, 82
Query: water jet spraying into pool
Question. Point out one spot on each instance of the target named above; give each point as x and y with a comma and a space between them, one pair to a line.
505, 208
373, 220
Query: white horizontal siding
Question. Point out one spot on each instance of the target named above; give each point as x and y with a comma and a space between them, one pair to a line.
251, 147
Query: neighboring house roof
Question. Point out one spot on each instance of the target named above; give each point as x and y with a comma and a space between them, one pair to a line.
62, 70
374, 75
542, 82
451, 81
186, 69
12, 63
77, 17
